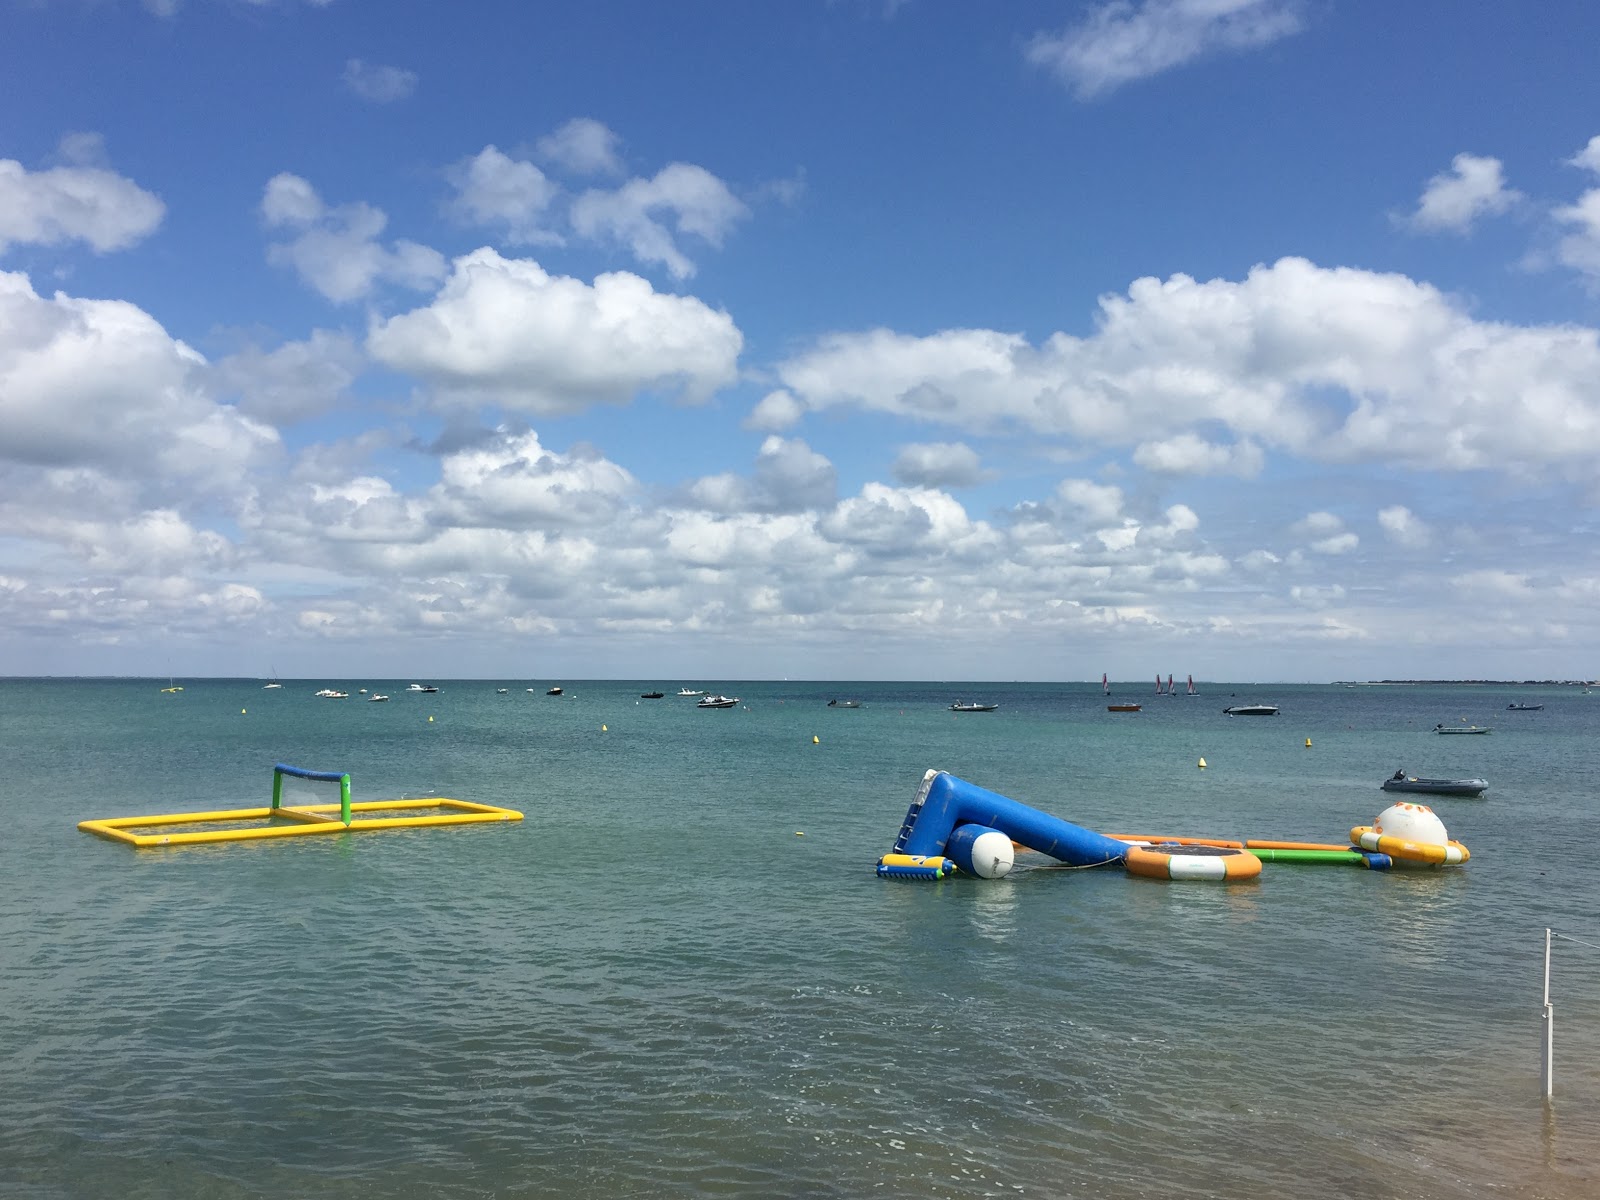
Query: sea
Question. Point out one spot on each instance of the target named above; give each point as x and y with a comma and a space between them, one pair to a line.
680, 976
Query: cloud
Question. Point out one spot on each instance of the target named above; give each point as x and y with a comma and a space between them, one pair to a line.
80, 202
1094, 503
1473, 187
510, 481
1124, 41
1189, 454
378, 84
1404, 527
1326, 533
643, 215
505, 329
1589, 157
496, 190
938, 465
99, 384
583, 146
1333, 365
789, 477
336, 250
295, 382
776, 411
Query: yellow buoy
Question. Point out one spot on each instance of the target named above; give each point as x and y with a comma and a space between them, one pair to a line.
1202, 764
1308, 743
602, 729
815, 740
430, 719
799, 833
241, 712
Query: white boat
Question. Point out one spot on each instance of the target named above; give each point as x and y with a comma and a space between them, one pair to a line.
972, 706
376, 698
500, 691
331, 694
267, 687
1191, 691
421, 687
1252, 710
689, 692
1461, 729
717, 702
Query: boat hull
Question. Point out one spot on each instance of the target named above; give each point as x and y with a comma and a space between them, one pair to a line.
1438, 787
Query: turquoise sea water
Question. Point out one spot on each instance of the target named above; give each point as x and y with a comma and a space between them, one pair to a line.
653, 986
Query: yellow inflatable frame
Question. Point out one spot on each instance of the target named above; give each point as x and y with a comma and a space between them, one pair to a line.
303, 820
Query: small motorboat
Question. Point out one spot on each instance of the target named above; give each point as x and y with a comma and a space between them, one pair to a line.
689, 692
1401, 782
717, 702
267, 687
555, 691
331, 694
1523, 707
1461, 729
1252, 710
421, 687
376, 698
1123, 708
501, 691
650, 695
964, 706
844, 704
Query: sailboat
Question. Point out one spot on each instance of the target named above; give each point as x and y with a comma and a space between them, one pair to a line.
1105, 684
1191, 691
172, 687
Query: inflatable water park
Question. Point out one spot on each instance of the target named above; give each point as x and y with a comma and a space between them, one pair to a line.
303, 803
955, 827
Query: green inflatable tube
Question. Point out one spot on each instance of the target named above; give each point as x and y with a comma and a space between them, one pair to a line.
1345, 858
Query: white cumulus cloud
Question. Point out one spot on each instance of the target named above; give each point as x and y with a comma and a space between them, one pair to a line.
1123, 41
1474, 187
650, 216
583, 146
78, 202
336, 249
938, 465
513, 195
547, 344
1334, 365
100, 384
377, 83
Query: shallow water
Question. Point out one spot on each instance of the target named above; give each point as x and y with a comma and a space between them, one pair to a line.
653, 986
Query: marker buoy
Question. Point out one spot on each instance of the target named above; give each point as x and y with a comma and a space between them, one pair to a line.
1308, 743
815, 740
241, 712
430, 720
602, 729
1202, 764
799, 833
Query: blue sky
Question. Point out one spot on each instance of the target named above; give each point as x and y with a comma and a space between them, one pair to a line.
1249, 339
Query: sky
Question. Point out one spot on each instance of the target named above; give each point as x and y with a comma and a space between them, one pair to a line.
822, 339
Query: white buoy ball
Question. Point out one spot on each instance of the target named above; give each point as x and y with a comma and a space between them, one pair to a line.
1413, 822
992, 855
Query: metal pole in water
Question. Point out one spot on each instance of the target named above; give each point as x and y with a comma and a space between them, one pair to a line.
1549, 1064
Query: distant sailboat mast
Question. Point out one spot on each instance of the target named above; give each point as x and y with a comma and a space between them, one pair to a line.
1105, 683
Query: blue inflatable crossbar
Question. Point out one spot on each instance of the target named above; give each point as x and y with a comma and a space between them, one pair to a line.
302, 773
944, 801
